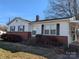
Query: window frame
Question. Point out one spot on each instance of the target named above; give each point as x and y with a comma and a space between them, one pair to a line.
53, 28
45, 29
12, 28
47, 33
53, 33
21, 28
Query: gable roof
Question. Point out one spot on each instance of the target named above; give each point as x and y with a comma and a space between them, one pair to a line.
17, 18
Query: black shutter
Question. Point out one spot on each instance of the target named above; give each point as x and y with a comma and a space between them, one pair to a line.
42, 29
23, 28
18, 28
14, 28
58, 29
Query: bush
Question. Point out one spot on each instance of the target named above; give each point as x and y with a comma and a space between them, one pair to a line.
11, 38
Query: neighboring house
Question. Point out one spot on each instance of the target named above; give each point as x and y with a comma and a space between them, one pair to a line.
67, 27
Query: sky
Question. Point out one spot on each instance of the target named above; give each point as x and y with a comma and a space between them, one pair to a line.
26, 9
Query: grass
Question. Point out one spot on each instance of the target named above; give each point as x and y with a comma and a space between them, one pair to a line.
17, 48
4, 54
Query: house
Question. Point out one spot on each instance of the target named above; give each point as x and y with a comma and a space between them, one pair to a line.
66, 29
20, 27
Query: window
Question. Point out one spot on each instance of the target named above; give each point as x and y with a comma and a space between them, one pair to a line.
21, 28
53, 29
12, 28
50, 29
34, 32
47, 29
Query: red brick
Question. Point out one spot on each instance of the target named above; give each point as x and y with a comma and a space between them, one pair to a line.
24, 35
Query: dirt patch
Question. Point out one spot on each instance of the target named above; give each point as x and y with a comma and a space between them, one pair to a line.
4, 54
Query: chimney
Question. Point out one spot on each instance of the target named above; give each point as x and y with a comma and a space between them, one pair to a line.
37, 18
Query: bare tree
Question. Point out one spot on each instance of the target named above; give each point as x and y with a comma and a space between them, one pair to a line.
61, 8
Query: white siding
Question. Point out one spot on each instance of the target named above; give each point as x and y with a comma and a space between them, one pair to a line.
37, 28
64, 29
53, 26
18, 23
47, 26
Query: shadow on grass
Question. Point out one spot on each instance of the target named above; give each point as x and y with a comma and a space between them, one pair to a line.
16, 47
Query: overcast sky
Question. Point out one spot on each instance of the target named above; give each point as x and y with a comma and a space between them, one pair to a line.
27, 9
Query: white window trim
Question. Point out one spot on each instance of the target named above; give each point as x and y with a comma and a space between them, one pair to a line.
49, 29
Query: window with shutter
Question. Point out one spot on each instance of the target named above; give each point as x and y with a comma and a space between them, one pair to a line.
12, 28
21, 28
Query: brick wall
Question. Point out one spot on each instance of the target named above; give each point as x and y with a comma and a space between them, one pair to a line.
44, 39
24, 35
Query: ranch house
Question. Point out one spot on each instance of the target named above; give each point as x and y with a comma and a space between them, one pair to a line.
65, 30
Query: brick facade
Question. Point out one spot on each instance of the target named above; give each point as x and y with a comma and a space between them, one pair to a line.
45, 39
24, 35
